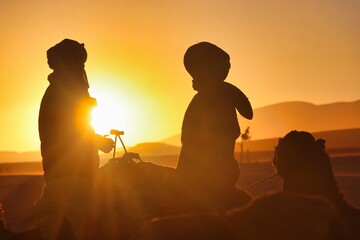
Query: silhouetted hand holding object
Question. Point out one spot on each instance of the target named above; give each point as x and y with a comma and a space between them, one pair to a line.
105, 144
116, 132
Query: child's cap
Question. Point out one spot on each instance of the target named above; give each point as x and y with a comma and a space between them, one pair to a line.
205, 55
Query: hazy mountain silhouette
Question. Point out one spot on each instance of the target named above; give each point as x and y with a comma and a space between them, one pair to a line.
335, 139
276, 120
283, 117
11, 156
155, 149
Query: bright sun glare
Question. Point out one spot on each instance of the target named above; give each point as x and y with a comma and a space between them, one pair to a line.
103, 119
123, 108
108, 114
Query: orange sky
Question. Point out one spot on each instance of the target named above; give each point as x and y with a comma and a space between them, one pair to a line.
280, 51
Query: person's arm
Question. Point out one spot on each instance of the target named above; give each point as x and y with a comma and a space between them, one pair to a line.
243, 106
241, 102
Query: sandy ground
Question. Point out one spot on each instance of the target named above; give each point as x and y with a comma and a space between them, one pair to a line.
19, 192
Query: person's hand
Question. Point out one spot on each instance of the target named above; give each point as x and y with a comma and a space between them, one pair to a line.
105, 144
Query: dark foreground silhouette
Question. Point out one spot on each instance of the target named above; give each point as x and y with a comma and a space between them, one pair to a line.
34, 234
304, 165
145, 201
134, 193
282, 215
128, 194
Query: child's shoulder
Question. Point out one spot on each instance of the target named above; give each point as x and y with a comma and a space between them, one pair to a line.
228, 88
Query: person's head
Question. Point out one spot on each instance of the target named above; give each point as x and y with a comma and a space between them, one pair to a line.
207, 64
68, 54
300, 154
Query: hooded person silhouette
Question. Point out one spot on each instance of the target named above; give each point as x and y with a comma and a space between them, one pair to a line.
69, 145
305, 167
210, 126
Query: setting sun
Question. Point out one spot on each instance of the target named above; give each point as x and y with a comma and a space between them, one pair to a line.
106, 115
119, 108
113, 111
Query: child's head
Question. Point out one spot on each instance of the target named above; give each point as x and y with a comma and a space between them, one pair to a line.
67, 53
206, 63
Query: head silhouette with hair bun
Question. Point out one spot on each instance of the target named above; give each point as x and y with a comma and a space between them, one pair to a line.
299, 153
305, 168
68, 52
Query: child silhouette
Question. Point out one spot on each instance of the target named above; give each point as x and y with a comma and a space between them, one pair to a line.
210, 126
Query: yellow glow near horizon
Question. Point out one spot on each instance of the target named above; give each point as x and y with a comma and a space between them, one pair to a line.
117, 108
108, 114
105, 117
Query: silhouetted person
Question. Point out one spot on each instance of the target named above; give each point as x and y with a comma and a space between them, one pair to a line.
69, 146
305, 167
210, 126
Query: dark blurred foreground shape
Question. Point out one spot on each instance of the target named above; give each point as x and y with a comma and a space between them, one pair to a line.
131, 194
281, 215
304, 165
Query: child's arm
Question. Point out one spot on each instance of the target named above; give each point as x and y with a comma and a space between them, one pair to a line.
243, 105
241, 102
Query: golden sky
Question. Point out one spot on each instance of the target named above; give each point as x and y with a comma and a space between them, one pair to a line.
281, 50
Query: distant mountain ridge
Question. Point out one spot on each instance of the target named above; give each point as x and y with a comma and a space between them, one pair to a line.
276, 120
155, 149
335, 139
7, 156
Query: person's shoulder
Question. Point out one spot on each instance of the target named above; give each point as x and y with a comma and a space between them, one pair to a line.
54, 92
229, 88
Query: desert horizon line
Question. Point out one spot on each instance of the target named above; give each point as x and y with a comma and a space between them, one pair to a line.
243, 125
163, 142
